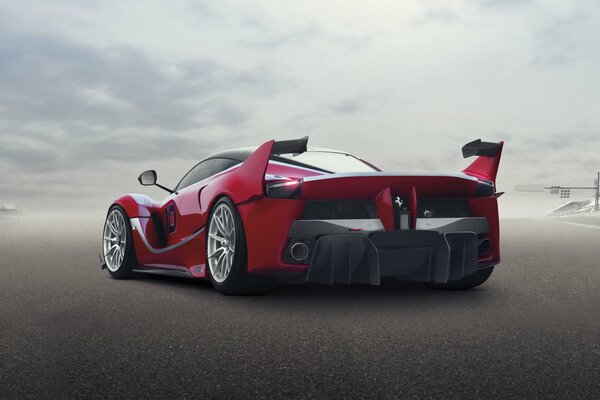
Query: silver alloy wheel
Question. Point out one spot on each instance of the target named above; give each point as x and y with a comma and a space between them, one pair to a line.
115, 240
221, 242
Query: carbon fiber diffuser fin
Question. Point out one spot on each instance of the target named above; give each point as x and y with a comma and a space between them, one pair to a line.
344, 259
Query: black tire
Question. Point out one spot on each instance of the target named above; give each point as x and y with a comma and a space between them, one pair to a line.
468, 282
125, 268
238, 281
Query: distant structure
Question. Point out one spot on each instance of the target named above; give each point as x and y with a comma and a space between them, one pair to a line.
571, 207
8, 211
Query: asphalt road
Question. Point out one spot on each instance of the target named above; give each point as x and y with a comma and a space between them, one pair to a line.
67, 330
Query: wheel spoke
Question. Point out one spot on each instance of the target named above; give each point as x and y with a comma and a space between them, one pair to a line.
111, 227
216, 237
113, 247
231, 224
220, 265
226, 221
229, 262
116, 222
223, 216
214, 254
220, 225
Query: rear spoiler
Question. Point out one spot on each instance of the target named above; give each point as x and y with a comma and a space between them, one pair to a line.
479, 148
250, 176
485, 166
294, 146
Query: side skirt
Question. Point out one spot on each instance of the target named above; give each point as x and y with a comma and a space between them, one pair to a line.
165, 272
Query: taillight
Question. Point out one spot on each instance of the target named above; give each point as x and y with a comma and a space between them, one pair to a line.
485, 188
284, 189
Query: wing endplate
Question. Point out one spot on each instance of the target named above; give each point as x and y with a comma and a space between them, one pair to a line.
486, 164
250, 180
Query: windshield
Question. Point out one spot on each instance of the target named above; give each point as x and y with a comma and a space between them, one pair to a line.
330, 161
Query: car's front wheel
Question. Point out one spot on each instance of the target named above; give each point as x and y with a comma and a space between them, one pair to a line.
117, 244
468, 282
226, 253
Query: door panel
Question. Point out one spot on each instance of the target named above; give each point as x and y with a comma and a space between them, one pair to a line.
187, 214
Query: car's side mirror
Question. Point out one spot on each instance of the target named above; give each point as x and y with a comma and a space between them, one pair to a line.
147, 178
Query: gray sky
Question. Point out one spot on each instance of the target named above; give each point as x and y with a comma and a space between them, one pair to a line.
92, 93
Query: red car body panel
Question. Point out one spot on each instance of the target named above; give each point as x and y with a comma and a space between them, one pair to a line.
267, 221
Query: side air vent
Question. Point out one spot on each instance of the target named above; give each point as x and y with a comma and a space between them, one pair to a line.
443, 208
339, 209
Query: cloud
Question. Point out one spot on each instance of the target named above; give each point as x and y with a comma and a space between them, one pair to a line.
52, 80
63, 103
270, 36
556, 43
65, 107
503, 4
437, 15
367, 102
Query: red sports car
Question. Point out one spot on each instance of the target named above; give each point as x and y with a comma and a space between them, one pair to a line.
249, 218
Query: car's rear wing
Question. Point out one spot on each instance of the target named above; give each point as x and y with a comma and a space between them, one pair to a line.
250, 180
293, 146
251, 175
486, 164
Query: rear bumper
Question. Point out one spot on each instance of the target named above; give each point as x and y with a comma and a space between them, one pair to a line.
273, 225
337, 254
422, 256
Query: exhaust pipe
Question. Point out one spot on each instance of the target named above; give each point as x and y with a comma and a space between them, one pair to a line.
483, 247
299, 251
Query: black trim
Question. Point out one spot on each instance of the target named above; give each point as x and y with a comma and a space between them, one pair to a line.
339, 209
453, 207
215, 157
159, 228
237, 155
171, 211
293, 146
485, 189
164, 271
420, 256
479, 148
297, 163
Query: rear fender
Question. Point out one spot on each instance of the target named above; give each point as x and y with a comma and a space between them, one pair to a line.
247, 182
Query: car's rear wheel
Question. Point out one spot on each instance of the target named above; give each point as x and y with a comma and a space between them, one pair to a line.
226, 253
468, 282
117, 244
